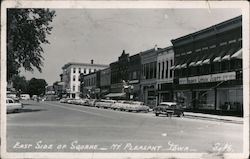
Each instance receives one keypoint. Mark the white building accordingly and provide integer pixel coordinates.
(71, 76)
(165, 74)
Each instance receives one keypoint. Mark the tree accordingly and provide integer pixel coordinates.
(20, 83)
(37, 87)
(26, 31)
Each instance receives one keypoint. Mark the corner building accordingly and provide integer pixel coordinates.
(208, 69)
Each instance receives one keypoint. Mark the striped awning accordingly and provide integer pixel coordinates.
(217, 59)
(172, 68)
(177, 66)
(192, 64)
(184, 65)
(198, 63)
(226, 57)
(237, 55)
(207, 61)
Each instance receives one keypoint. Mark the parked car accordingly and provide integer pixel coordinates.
(169, 109)
(13, 105)
(119, 105)
(25, 96)
(103, 103)
(63, 100)
(90, 102)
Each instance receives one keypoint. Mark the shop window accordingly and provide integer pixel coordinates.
(184, 98)
(230, 99)
(205, 99)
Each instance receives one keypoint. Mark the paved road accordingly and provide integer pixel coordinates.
(57, 127)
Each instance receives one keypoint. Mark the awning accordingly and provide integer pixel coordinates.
(172, 68)
(217, 59)
(191, 64)
(237, 55)
(226, 57)
(116, 95)
(207, 61)
(178, 67)
(198, 63)
(184, 65)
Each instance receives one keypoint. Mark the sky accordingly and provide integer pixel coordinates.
(80, 35)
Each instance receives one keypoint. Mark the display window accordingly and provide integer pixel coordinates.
(230, 99)
(205, 99)
(184, 98)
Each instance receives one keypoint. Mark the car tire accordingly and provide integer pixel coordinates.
(181, 115)
(156, 114)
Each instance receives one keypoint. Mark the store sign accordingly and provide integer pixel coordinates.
(183, 81)
(223, 76)
(204, 79)
(191, 80)
(209, 78)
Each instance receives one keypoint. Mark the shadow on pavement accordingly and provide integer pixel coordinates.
(28, 110)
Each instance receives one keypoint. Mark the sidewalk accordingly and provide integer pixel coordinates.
(231, 119)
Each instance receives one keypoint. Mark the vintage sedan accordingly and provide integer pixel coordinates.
(169, 109)
(13, 105)
(103, 103)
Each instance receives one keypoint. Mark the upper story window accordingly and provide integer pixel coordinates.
(171, 71)
(90, 70)
(166, 74)
(163, 70)
(79, 70)
(74, 88)
(74, 70)
(94, 70)
(84, 70)
(74, 78)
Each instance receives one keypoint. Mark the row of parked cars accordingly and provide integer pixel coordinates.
(121, 105)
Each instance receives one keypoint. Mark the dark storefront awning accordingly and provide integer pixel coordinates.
(116, 95)
(237, 55)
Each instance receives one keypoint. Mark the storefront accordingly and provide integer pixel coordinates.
(221, 97)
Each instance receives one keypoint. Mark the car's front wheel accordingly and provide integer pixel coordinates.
(181, 114)
(156, 114)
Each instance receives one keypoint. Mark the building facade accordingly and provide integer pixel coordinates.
(90, 85)
(105, 82)
(208, 69)
(165, 74)
(134, 77)
(71, 76)
(148, 76)
(119, 73)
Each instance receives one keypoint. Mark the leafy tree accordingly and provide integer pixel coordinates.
(37, 87)
(20, 83)
(26, 31)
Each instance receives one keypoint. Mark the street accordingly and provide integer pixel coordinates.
(58, 127)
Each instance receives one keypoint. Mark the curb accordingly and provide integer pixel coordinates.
(212, 119)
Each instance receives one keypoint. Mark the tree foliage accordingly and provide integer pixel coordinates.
(20, 83)
(27, 29)
(37, 87)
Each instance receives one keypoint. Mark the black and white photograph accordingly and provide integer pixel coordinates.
(128, 79)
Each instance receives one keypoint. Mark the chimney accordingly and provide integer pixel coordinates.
(92, 61)
(156, 48)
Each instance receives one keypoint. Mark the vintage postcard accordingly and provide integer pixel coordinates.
(125, 79)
